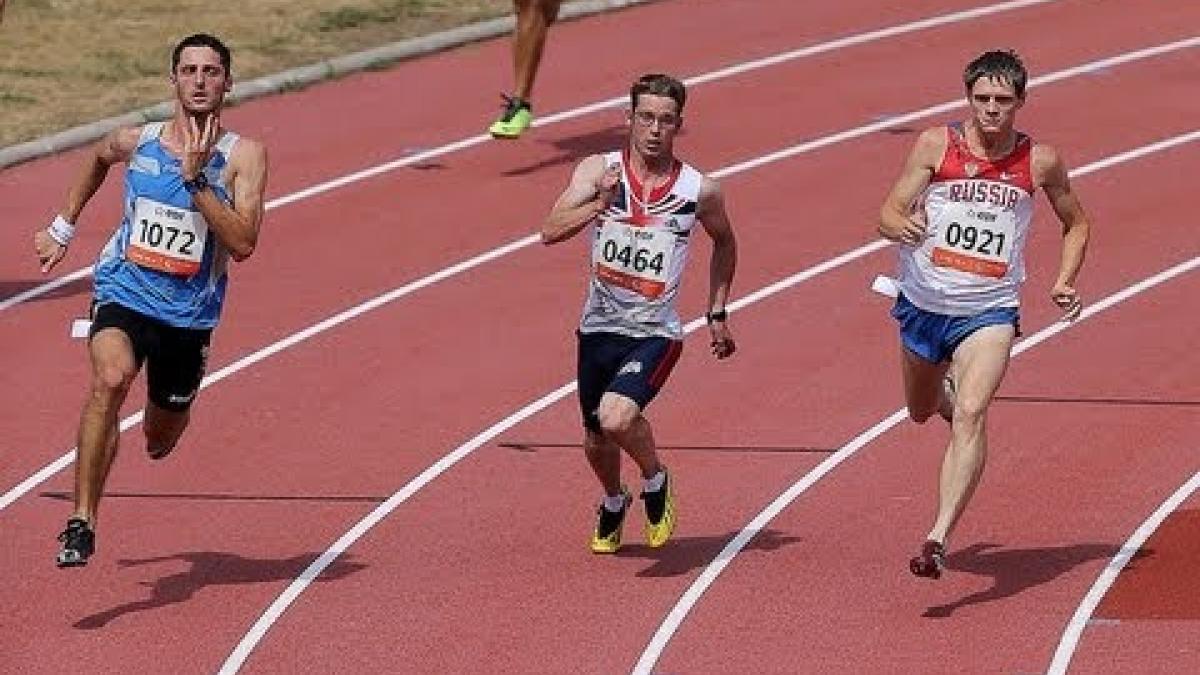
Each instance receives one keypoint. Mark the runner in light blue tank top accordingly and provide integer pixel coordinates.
(193, 200)
(161, 228)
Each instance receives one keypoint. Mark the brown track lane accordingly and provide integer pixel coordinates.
(350, 430)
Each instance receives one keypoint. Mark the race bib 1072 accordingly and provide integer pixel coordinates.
(166, 238)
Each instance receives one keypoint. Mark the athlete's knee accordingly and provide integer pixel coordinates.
(970, 410)
(616, 419)
(111, 380)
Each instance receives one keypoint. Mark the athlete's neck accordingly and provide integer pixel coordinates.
(651, 171)
(989, 145)
(173, 131)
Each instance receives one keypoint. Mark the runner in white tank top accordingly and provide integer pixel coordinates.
(977, 213)
(961, 211)
(639, 249)
(640, 207)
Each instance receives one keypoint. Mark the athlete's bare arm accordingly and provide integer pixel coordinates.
(897, 221)
(1050, 173)
(710, 210)
(117, 146)
(591, 189)
(236, 226)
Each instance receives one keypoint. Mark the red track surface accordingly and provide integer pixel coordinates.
(486, 568)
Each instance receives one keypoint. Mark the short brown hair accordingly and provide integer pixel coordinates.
(1003, 65)
(657, 84)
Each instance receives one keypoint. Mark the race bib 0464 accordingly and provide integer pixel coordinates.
(166, 238)
(635, 258)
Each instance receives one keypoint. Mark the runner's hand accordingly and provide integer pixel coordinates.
(722, 343)
(1068, 300)
(49, 252)
(198, 144)
(606, 185)
(915, 229)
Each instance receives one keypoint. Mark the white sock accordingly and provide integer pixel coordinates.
(614, 504)
(655, 482)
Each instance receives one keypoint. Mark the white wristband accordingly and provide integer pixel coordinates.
(61, 231)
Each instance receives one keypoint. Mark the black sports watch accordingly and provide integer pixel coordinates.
(719, 315)
(196, 184)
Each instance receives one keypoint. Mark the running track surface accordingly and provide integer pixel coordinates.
(485, 568)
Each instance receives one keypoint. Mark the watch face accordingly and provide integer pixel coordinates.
(196, 184)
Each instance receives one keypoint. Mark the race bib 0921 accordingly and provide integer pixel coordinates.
(975, 240)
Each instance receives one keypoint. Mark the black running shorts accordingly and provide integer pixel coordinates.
(175, 358)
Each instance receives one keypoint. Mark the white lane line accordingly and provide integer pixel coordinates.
(65, 460)
(276, 609)
(698, 587)
(264, 623)
(463, 144)
(1083, 613)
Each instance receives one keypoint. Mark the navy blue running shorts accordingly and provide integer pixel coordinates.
(633, 367)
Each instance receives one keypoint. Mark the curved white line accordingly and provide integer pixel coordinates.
(369, 172)
(1083, 613)
(691, 596)
(65, 460)
(252, 637)
(276, 609)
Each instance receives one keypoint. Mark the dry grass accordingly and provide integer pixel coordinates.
(67, 62)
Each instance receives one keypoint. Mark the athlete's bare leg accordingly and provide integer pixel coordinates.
(605, 458)
(979, 366)
(113, 370)
(623, 422)
(533, 22)
(163, 428)
(923, 391)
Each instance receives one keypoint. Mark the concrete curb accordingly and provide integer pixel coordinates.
(296, 78)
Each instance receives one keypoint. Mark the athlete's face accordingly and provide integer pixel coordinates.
(654, 122)
(994, 102)
(200, 80)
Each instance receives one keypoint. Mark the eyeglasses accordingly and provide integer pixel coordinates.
(648, 119)
(999, 99)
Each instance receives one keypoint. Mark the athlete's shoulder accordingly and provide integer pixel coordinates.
(934, 139)
(1047, 164)
(709, 187)
(119, 144)
(1044, 153)
(251, 148)
(594, 165)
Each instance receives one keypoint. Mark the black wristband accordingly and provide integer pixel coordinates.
(196, 184)
(719, 315)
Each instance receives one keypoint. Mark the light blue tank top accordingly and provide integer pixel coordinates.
(163, 261)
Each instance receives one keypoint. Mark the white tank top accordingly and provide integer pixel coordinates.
(978, 213)
(639, 249)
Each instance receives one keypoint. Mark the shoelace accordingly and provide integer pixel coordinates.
(512, 105)
(75, 530)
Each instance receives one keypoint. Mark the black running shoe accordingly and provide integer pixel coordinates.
(930, 562)
(607, 536)
(79, 542)
(660, 513)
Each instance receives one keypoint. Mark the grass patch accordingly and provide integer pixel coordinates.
(68, 62)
